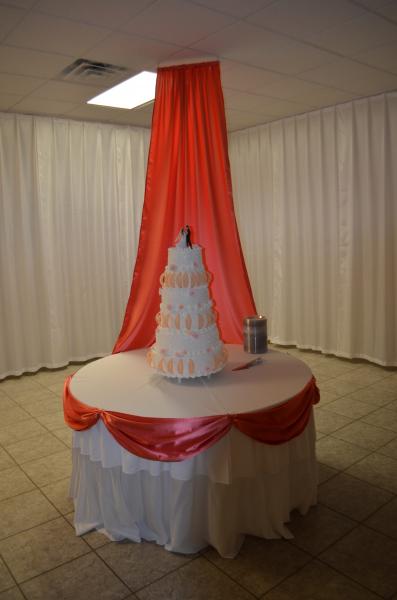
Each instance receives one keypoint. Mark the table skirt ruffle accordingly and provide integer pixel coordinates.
(212, 499)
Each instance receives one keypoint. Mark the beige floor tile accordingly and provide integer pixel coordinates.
(6, 403)
(338, 453)
(23, 512)
(332, 369)
(328, 422)
(10, 416)
(378, 470)
(382, 418)
(198, 580)
(46, 378)
(12, 594)
(20, 431)
(26, 396)
(340, 387)
(326, 396)
(348, 407)
(389, 449)
(317, 581)
(6, 462)
(389, 384)
(352, 497)
(13, 482)
(58, 494)
(50, 468)
(35, 447)
(53, 421)
(151, 562)
(365, 375)
(368, 557)
(17, 384)
(43, 406)
(364, 435)
(374, 395)
(318, 529)
(261, 564)
(320, 435)
(6, 581)
(42, 548)
(84, 578)
(325, 472)
(385, 519)
(65, 434)
(57, 387)
(392, 405)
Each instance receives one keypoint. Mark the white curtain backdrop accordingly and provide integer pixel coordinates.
(315, 198)
(71, 197)
(316, 203)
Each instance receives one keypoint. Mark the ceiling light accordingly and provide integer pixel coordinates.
(131, 93)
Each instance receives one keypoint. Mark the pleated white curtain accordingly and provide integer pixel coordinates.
(71, 197)
(316, 203)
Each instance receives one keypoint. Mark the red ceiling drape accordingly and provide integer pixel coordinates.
(188, 182)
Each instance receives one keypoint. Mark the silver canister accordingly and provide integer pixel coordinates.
(255, 334)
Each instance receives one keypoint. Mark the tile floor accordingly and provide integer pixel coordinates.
(345, 548)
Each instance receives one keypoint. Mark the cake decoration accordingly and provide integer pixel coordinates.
(187, 337)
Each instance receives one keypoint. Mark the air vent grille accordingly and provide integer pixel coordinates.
(88, 71)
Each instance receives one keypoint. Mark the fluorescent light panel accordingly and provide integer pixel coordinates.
(131, 93)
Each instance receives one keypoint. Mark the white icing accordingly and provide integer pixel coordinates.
(187, 337)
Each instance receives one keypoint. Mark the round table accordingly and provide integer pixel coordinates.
(237, 486)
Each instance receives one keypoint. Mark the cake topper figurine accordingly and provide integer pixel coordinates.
(183, 240)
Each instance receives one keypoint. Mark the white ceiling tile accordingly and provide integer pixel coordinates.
(177, 21)
(247, 79)
(7, 101)
(22, 61)
(257, 47)
(9, 18)
(43, 106)
(352, 77)
(19, 84)
(306, 16)
(131, 51)
(53, 34)
(262, 105)
(236, 8)
(356, 35)
(383, 57)
(70, 92)
(104, 13)
(306, 92)
(187, 55)
(237, 119)
(109, 115)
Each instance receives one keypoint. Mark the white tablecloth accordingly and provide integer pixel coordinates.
(236, 487)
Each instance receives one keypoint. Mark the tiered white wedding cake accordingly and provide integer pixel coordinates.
(187, 337)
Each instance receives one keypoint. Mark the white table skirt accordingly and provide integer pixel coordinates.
(236, 487)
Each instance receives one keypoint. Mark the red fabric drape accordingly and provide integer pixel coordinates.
(188, 182)
(177, 439)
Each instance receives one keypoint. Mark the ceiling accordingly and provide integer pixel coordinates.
(278, 57)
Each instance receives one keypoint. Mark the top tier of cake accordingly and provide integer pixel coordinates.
(185, 259)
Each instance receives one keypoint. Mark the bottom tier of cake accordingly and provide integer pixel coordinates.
(184, 365)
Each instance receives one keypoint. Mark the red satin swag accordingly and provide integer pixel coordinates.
(178, 439)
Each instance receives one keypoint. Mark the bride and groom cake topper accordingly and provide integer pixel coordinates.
(184, 238)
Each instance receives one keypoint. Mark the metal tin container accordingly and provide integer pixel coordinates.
(255, 334)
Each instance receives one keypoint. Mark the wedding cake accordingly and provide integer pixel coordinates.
(187, 338)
